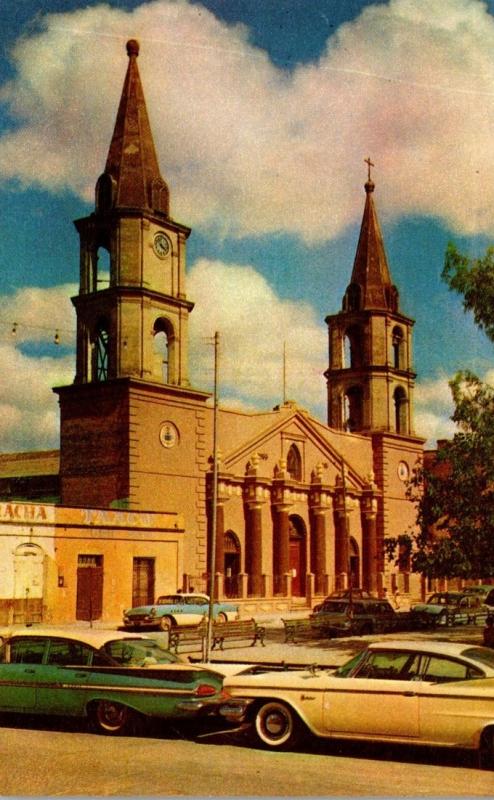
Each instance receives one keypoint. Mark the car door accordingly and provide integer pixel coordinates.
(21, 669)
(61, 688)
(380, 700)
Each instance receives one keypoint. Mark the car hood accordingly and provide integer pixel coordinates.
(430, 608)
(142, 609)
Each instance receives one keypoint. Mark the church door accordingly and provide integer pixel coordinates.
(143, 582)
(298, 562)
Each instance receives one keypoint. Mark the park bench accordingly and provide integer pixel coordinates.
(237, 631)
(187, 637)
(304, 628)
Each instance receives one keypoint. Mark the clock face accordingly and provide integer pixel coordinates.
(161, 245)
(168, 435)
(403, 471)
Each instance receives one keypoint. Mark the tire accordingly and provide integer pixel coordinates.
(166, 623)
(112, 719)
(276, 726)
(221, 618)
(486, 749)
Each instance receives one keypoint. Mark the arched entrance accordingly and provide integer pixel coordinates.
(354, 562)
(232, 564)
(298, 554)
(29, 560)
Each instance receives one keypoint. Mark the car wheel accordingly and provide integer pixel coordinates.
(166, 623)
(276, 725)
(221, 617)
(112, 718)
(486, 749)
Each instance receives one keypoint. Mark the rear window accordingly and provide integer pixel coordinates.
(483, 655)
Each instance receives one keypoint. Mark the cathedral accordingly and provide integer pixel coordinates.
(154, 486)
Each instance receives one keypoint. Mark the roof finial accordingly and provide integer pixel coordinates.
(132, 47)
(369, 186)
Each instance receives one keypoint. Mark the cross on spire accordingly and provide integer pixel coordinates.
(369, 165)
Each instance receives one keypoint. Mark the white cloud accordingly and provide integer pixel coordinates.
(28, 407)
(251, 149)
(253, 323)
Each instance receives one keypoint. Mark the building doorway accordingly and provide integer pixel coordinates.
(29, 560)
(232, 565)
(89, 599)
(353, 563)
(298, 554)
(143, 575)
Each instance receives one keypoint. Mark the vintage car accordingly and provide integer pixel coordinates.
(340, 594)
(447, 608)
(484, 591)
(355, 617)
(116, 680)
(414, 692)
(177, 609)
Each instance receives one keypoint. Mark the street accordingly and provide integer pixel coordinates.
(60, 758)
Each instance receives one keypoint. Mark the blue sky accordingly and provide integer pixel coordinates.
(263, 112)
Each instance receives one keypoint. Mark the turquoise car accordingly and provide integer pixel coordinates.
(178, 609)
(116, 681)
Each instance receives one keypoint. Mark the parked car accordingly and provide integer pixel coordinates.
(438, 694)
(484, 591)
(447, 608)
(114, 679)
(177, 609)
(343, 593)
(356, 617)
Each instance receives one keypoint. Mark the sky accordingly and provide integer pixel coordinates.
(262, 112)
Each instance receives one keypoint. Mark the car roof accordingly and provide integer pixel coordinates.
(184, 594)
(90, 636)
(423, 645)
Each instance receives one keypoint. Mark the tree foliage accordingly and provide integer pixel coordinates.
(454, 496)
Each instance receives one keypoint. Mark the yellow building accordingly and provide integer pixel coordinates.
(302, 506)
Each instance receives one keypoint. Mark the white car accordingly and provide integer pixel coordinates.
(437, 694)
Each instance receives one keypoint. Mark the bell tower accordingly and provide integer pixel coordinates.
(131, 309)
(370, 378)
(132, 322)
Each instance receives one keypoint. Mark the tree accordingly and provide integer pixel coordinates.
(454, 494)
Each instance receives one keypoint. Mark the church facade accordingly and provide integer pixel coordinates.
(290, 508)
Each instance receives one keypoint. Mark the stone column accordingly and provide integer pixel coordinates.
(370, 565)
(255, 494)
(319, 504)
(281, 503)
(341, 543)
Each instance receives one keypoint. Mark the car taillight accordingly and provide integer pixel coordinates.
(205, 690)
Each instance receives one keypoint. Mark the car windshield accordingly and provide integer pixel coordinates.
(349, 666)
(335, 607)
(169, 599)
(443, 599)
(483, 655)
(138, 652)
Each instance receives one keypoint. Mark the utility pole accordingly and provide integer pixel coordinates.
(214, 509)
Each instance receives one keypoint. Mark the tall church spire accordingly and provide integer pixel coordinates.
(132, 163)
(371, 278)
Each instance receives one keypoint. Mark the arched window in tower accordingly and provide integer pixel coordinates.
(398, 345)
(101, 352)
(164, 350)
(353, 348)
(353, 409)
(401, 410)
(294, 463)
(105, 192)
(102, 269)
(353, 298)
